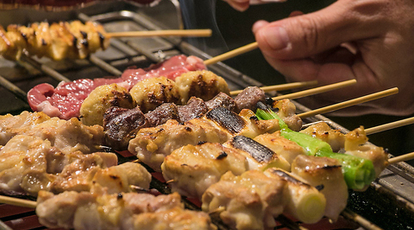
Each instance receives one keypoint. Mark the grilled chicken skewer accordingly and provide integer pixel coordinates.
(57, 41)
(253, 199)
(151, 145)
(43, 153)
(68, 40)
(99, 210)
(121, 124)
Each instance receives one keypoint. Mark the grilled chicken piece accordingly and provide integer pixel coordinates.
(286, 149)
(72, 210)
(249, 201)
(193, 168)
(67, 136)
(102, 98)
(259, 156)
(322, 131)
(286, 110)
(152, 92)
(356, 144)
(325, 173)
(83, 176)
(56, 41)
(13, 125)
(202, 84)
(29, 164)
(151, 145)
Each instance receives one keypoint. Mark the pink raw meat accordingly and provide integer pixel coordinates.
(65, 100)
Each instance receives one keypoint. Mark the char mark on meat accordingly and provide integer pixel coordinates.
(227, 119)
(258, 151)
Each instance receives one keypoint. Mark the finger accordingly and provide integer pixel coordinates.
(306, 35)
(259, 24)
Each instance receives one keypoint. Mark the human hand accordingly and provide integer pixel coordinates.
(367, 40)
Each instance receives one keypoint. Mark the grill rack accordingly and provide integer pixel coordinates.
(394, 186)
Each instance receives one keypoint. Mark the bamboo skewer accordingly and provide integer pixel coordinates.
(232, 53)
(389, 126)
(280, 87)
(18, 202)
(317, 90)
(158, 33)
(405, 157)
(351, 102)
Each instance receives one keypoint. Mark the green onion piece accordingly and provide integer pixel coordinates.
(358, 172)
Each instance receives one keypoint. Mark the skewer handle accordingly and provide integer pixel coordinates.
(317, 90)
(405, 157)
(232, 53)
(389, 126)
(280, 87)
(348, 103)
(18, 202)
(158, 33)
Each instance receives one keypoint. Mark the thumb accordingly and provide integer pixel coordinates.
(306, 35)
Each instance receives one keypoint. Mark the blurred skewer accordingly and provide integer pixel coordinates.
(280, 87)
(232, 53)
(388, 126)
(159, 33)
(316, 90)
(349, 103)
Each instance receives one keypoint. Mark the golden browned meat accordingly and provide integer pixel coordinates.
(322, 131)
(203, 84)
(151, 145)
(29, 164)
(325, 173)
(57, 41)
(12, 125)
(249, 201)
(102, 98)
(84, 176)
(67, 136)
(259, 157)
(98, 210)
(286, 110)
(193, 168)
(356, 144)
(152, 92)
(286, 149)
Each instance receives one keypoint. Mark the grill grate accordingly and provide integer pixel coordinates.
(19, 77)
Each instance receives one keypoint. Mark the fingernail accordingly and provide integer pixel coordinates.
(276, 37)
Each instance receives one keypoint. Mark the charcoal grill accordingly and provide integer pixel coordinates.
(388, 203)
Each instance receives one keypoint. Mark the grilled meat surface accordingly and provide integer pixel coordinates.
(193, 168)
(72, 40)
(98, 210)
(151, 145)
